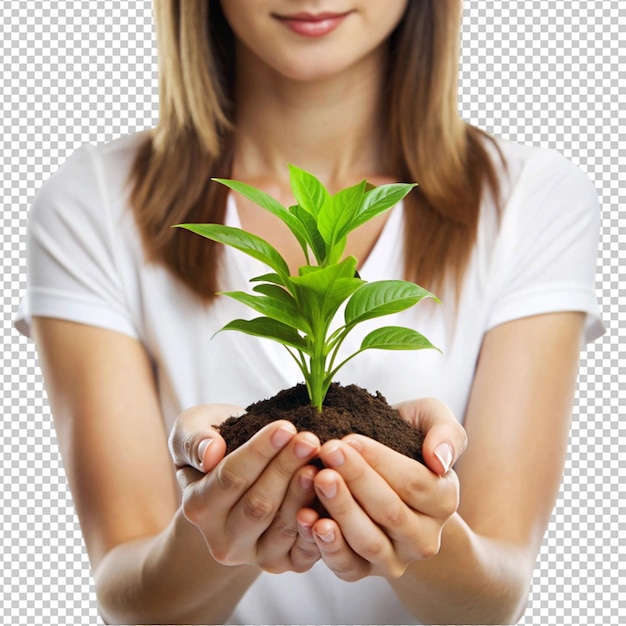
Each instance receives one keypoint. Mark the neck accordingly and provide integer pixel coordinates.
(331, 127)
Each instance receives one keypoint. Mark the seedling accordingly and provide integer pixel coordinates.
(297, 311)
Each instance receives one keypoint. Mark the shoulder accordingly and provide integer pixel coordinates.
(540, 172)
(545, 247)
(107, 166)
(115, 159)
(90, 184)
(82, 209)
(540, 188)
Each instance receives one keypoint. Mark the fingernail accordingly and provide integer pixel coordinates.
(202, 446)
(334, 458)
(303, 449)
(327, 537)
(355, 443)
(444, 453)
(306, 482)
(282, 435)
(328, 491)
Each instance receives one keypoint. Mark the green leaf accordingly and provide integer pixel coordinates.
(252, 245)
(314, 240)
(275, 279)
(327, 287)
(319, 279)
(309, 192)
(278, 306)
(383, 297)
(273, 291)
(303, 270)
(285, 298)
(396, 338)
(267, 202)
(379, 200)
(335, 217)
(257, 196)
(270, 329)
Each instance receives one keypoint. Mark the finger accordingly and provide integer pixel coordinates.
(211, 500)
(282, 533)
(290, 535)
(335, 551)
(422, 490)
(242, 467)
(194, 442)
(359, 531)
(445, 439)
(370, 489)
(305, 553)
(188, 475)
(264, 498)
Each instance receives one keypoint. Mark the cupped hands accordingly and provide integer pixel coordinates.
(259, 504)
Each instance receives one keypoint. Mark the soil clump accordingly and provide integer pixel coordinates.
(349, 409)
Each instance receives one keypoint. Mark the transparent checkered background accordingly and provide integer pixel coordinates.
(543, 72)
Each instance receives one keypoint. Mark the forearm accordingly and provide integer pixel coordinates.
(472, 580)
(170, 578)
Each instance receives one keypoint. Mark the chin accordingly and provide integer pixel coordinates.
(317, 68)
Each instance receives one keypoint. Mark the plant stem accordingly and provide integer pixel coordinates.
(317, 389)
(300, 362)
(317, 379)
(335, 343)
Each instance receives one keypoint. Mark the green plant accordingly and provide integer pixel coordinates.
(297, 311)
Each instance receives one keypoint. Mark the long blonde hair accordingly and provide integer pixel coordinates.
(428, 142)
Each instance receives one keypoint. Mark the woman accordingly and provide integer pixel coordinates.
(122, 308)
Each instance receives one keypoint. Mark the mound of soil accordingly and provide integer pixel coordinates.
(349, 409)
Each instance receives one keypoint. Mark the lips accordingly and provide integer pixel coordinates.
(312, 24)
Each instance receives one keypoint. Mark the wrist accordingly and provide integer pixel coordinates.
(473, 579)
(170, 577)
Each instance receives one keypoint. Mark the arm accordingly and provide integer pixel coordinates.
(517, 425)
(151, 565)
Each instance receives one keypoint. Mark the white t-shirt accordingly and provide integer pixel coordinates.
(85, 264)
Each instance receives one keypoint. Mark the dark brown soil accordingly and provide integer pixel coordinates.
(346, 410)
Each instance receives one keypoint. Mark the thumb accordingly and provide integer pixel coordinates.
(445, 439)
(194, 442)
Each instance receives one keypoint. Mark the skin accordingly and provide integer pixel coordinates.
(458, 545)
(264, 41)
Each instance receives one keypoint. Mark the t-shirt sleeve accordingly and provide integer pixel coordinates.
(71, 251)
(547, 253)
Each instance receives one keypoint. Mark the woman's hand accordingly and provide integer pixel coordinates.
(245, 504)
(386, 510)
